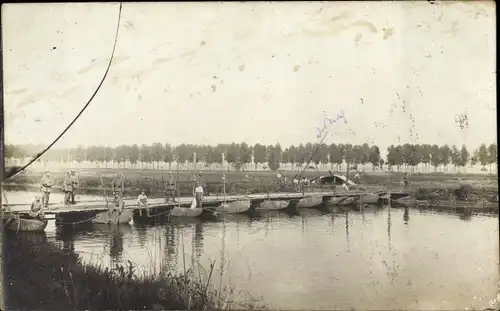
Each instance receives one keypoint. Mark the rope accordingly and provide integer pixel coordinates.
(159, 214)
(16, 171)
(76, 222)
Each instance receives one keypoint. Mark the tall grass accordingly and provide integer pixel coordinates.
(40, 275)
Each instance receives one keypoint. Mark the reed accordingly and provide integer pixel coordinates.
(43, 276)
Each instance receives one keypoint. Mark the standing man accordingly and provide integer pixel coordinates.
(74, 185)
(67, 188)
(142, 200)
(247, 182)
(303, 185)
(296, 186)
(356, 178)
(46, 186)
(117, 187)
(170, 188)
(200, 179)
(406, 182)
(198, 195)
(313, 184)
(195, 180)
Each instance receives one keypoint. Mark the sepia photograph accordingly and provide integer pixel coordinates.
(322, 155)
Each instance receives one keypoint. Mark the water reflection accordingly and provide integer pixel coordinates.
(347, 230)
(170, 247)
(389, 225)
(198, 239)
(270, 245)
(142, 232)
(66, 233)
(406, 215)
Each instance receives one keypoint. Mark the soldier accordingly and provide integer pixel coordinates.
(303, 185)
(67, 188)
(356, 178)
(46, 185)
(296, 186)
(247, 180)
(142, 200)
(198, 195)
(36, 208)
(313, 184)
(406, 182)
(74, 185)
(170, 188)
(117, 187)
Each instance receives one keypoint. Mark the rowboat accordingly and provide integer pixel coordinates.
(342, 201)
(236, 207)
(369, 198)
(270, 205)
(24, 224)
(310, 201)
(185, 212)
(405, 201)
(114, 217)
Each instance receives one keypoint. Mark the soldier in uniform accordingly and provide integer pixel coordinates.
(170, 188)
(45, 186)
(117, 187)
(406, 182)
(36, 208)
(142, 200)
(198, 195)
(74, 185)
(67, 188)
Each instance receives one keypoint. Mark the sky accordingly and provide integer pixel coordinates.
(209, 73)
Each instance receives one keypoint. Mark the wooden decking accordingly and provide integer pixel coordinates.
(101, 205)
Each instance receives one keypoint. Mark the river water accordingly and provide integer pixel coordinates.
(379, 258)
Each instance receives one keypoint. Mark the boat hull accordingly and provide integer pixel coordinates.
(370, 198)
(25, 224)
(270, 205)
(123, 217)
(185, 212)
(310, 201)
(342, 201)
(405, 201)
(236, 207)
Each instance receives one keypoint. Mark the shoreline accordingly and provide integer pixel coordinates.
(425, 190)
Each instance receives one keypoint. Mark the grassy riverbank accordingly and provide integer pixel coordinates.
(41, 276)
(152, 181)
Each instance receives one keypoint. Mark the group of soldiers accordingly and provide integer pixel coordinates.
(70, 184)
(170, 189)
(303, 184)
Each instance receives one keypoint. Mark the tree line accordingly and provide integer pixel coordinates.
(433, 155)
(241, 154)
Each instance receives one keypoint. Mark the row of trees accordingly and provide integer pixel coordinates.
(242, 154)
(433, 155)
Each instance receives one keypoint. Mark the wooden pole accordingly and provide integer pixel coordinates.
(224, 186)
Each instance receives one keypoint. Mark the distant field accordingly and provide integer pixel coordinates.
(152, 180)
(183, 174)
